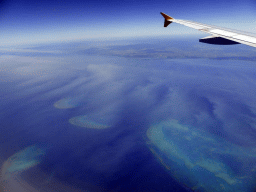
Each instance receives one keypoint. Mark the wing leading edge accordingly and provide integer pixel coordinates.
(218, 36)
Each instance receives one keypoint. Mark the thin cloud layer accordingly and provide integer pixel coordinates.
(201, 92)
(130, 93)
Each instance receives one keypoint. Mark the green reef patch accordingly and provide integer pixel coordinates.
(21, 161)
(66, 103)
(202, 161)
(85, 121)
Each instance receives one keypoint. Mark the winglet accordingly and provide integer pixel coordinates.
(167, 20)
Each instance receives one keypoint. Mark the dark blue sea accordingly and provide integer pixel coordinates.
(77, 116)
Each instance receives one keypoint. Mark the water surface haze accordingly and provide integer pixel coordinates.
(144, 114)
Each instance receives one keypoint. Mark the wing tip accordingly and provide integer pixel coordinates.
(167, 17)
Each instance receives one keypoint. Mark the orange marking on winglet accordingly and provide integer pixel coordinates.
(167, 17)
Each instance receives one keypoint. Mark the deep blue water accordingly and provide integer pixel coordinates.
(116, 159)
(130, 91)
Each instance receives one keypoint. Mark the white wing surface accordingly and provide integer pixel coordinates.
(220, 36)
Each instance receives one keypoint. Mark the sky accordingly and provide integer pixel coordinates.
(27, 21)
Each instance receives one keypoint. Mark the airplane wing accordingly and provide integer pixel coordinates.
(219, 36)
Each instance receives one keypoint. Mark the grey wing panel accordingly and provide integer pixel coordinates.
(220, 32)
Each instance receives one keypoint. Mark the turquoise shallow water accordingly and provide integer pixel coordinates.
(21, 161)
(203, 161)
(66, 103)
